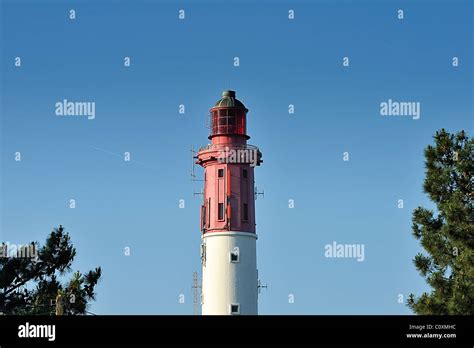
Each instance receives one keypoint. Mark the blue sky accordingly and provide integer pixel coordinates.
(190, 62)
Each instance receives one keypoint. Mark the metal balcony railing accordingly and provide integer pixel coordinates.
(213, 147)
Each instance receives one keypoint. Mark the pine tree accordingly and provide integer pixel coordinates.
(448, 236)
(31, 285)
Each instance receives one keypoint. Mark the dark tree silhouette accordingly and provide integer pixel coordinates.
(31, 286)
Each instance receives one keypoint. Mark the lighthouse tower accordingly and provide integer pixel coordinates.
(228, 249)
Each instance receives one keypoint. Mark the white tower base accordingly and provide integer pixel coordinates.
(229, 273)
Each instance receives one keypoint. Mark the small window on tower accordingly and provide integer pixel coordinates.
(234, 308)
(220, 173)
(220, 213)
(234, 257)
(246, 211)
(244, 173)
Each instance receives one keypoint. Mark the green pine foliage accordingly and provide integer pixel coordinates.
(31, 285)
(448, 235)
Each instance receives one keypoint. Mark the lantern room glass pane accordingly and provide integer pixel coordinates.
(228, 121)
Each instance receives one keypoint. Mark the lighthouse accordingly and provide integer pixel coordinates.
(228, 248)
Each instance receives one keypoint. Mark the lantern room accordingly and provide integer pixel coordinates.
(228, 117)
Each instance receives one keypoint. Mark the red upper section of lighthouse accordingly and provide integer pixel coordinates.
(228, 162)
(229, 117)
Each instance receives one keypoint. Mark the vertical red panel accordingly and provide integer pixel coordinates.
(228, 182)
